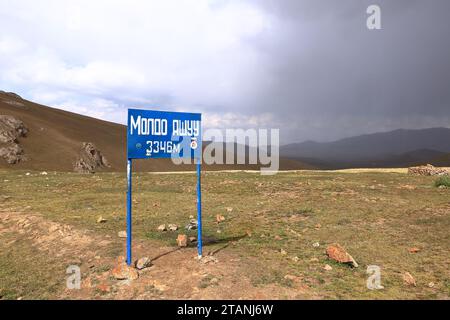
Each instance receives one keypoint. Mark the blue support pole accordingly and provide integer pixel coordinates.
(199, 210)
(129, 203)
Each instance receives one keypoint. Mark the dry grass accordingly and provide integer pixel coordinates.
(377, 215)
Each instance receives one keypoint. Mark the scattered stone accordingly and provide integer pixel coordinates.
(327, 267)
(314, 260)
(143, 263)
(278, 238)
(407, 187)
(192, 225)
(431, 285)
(428, 170)
(229, 209)
(318, 226)
(220, 218)
(338, 253)
(44, 173)
(27, 174)
(296, 259)
(192, 239)
(209, 259)
(173, 227)
(283, 252)
(103, 287)
(162, 228)
(182, 240)
(291, 277)
(191, 217)
(90, 159)
(101, 220)
(122, 234)
(122, 271)
(219, 231)
(409, 279)
(413, 250)
(316, 244)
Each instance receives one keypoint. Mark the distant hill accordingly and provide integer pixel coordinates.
(397, 148)
(441, 161)
(55, 138)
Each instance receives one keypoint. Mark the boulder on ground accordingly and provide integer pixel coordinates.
(337, 252)
(101, 220)
(408, 279)
(182, 240)
(143, 263)
(122, 271)
(162, 228)
(428, 170)
(192, 225)
(90, 159)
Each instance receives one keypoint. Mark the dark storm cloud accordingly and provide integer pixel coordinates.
(336, 77)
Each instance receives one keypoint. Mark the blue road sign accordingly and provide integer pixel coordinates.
(160, 134)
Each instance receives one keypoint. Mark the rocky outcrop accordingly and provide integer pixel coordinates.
(428, 170)
(90, 159)
(12, 153)
(11, 129)
(11, 94)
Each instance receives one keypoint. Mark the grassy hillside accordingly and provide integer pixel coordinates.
(55, 138)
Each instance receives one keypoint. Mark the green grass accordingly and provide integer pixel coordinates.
(442, 181)
(371, 214)
(26, 273)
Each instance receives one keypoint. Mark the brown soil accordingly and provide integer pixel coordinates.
(176, 273)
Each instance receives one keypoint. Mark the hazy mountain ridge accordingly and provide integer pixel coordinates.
(394, 148)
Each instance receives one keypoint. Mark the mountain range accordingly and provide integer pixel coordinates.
(55, 137)
(398, 148)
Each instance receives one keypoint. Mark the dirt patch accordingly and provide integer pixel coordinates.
(175, 273)
(51, 237)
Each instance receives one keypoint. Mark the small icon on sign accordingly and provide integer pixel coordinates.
(138, 145)
(148, 153)
(194, 143)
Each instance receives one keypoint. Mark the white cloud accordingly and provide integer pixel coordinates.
(171, 53)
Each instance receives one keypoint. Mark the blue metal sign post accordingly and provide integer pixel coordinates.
(159, 134)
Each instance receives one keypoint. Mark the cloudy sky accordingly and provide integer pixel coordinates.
(308, 67)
